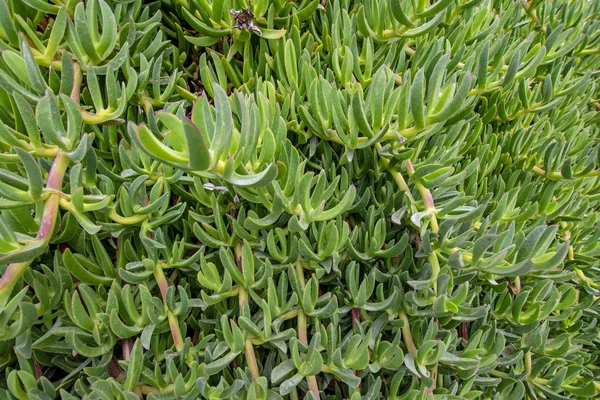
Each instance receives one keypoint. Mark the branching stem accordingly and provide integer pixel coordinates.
(54, 184)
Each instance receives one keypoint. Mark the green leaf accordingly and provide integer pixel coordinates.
(399, 14)
(155, 147)
(223, 123)
(33, 71)
(7, 25)
(282, 370)
(257, 180)
(134, 366)
(48, 119)
(198, 153)
(75, 266)
(272, 34)
(513, 270)
(417, 98)
(217, 366)
(34, 174)
(288, 385)
(30, 251)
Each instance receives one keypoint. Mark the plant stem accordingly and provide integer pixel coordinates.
(398, 178)
(586, 52)
(133, 220)
(355, 321)
(435, 268)
(406, 335)
(76, 91)
(499, 374)
(302, 331)
(530, 12)
(434, 378)
(145, 389)
(585, 279)
(557, 175)
(528, 363)
(243, 300)
(175, 330)
(430, 208)
(427, 198)
(161, 280)
(251, 359)
(54, 184)
(163, 284)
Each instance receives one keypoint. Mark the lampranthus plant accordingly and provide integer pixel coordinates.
(279, 200)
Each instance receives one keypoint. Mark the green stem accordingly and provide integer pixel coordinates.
(499, 374)
(76, 91)
(587, 52)
(406, 335)
(54, 184)
(45, 152)
(531, 12)
(585, 279)
(528, 363)
(175, 330)
(397, 176)
(145, 389)
(435, 268)
(183, 92)
(426, 196)
(163, 284)
(430, 208)
(302, 326)
(302, 332)
(251, 359)
(133, 220)
(243, 301)
(558, 175)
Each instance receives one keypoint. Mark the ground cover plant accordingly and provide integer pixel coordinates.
(331, 199)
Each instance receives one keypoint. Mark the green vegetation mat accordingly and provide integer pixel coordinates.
(316, 199)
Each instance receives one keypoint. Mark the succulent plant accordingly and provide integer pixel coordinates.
(225, 199)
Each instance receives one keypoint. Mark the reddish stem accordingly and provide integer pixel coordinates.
(464, 330)
(54, 183)
(196, 338)
(355, 317)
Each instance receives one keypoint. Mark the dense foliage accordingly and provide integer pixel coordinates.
(339, 199)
